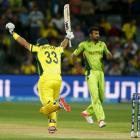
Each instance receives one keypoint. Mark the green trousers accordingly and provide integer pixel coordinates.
(95, 81)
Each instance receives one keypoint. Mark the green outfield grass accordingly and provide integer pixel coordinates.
(22, 121)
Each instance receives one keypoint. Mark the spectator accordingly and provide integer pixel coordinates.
(75, 7)
(58, 22)
(49, 32)
(28, 68)
(103, 6)
(2, 52)
(115, 69)
(36, 18)
(78, 69)
(105, 25)
(79, 35)
(15, 3)
(132, 45)
(87, 8)
(129, 29)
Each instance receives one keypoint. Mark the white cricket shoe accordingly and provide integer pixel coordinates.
(102, 124)
(87, 117)
(138, 134)
(132, 134)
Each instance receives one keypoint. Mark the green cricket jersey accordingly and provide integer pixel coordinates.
(93, 54)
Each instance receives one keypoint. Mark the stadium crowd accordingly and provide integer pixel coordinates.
(118, 21)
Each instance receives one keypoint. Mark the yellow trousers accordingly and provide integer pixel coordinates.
(49, 91)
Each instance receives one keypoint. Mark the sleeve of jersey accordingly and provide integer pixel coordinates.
(79, 49)
(106, 51)
(33, 48)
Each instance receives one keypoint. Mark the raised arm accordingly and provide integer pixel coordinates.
(68, 37)
(18, 38)
(64, 43)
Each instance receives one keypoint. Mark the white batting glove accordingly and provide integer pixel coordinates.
(70, 35)
(10, 26)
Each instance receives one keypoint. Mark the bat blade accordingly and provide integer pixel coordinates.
(67, 22)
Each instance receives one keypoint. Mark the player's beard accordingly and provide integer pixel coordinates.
(96, 39)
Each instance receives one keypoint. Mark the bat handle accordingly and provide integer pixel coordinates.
(70, 43)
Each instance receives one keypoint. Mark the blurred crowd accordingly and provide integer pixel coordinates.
(118, 21)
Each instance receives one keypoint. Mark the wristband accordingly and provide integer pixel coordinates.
(15, 36)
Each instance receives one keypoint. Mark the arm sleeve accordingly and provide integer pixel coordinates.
(106, 51)
(33, 48)
(79, 49)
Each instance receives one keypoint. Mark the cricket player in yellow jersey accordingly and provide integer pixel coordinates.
(94, 51)
(49, 68)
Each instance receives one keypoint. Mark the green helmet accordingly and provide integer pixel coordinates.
(42, 41)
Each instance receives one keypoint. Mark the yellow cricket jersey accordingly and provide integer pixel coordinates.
(48, 60)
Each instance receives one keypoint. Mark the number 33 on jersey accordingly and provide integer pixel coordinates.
(48, 60)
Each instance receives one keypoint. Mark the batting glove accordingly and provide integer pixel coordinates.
(10, 27)
(70, 35)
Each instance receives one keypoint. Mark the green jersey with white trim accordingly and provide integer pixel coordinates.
(93, 54)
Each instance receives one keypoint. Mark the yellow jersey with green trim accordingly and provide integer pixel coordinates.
(93, 54)
(48, 61)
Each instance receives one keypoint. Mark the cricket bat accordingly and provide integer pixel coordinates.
(67, 22)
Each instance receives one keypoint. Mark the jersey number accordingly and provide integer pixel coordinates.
(51, 57)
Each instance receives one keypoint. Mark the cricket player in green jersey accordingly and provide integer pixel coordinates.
(94, 52)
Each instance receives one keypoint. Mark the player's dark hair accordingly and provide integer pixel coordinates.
(42, 41)
(93, 28)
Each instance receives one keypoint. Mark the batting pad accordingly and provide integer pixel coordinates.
(52, 123)
(49, 108)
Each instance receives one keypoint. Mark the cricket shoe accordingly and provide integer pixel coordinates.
(87, 117)
(138, 134)
(64, 105)
(102, 124)
(132, 134)
(52, 129)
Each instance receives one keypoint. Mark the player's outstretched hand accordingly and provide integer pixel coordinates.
(70, 35)
(10, 27)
